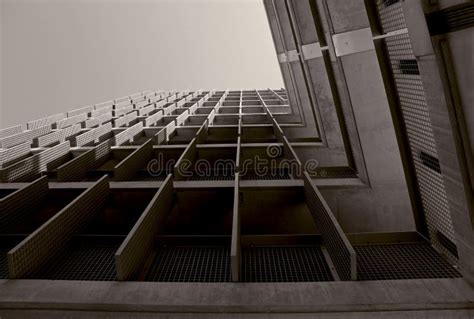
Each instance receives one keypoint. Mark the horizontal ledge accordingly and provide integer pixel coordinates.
(323, 183)
(393, 295)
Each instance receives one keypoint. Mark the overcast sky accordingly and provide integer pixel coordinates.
(57, 55)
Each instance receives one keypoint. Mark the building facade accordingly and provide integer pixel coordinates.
(346, 194)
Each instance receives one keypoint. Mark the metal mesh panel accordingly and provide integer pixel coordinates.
(125, 120)
(10, 131)
(76, 169)
(6, 243)
(160, 137)
(49, 139)
(82, 110)
(103, 104)
(102, 111)
(413, 106)
(100, 119)
(391, 15)
(338, 246)
(122, 110)
(128, 134)
(136, 246)
(182, 118)
(93, 135)
(88, 260)
(51, 237)
(10, 154)
(3, 263)
(47, 121)
(151, 120)
(127, 168)
(191, 264)
(71, 121)
(401, 261)
(284, 264)
(22, 201)
(58, 136)
(26, 136)
(145, 110)
(121, 100)
(32, 166)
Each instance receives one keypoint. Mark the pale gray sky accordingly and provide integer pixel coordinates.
(57, 55)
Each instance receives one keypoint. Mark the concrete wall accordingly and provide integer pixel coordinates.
(349, 97)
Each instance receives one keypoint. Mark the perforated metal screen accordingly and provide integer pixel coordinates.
(259, 264)
(401, 261)
(6, 244)
(191, 264)
(88, 260)
(284, 264)
(414, 110)
(3, 263)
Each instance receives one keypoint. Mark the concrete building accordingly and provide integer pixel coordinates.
(348, 194)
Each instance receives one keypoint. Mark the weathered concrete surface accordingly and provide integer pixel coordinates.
(423, 314)
(249, 298)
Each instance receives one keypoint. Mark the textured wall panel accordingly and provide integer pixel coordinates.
(84, 110)
(128, 134)
(77, 168)
(23, 201)
(29, 168)
(341, 251)
(26, 136)
(45, 121)
(93, 135)
(139, 242)
(10, 131)
(33, 252)
(126, 119)
(126, 169)
(415, 115)
(8, 155)
(71, 121)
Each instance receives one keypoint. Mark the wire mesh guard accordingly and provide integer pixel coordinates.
(401, 261)
(88, 260)
(3, 263)
(6, 244)
(191, 264)
(284, 264)
(416, 118)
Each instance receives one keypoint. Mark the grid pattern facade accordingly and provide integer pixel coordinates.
(116, 141)
(342, 253)
(413, 106)
(3, 263)
(284, 264)
(407, 261)
(191, 264)
(83, 261)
